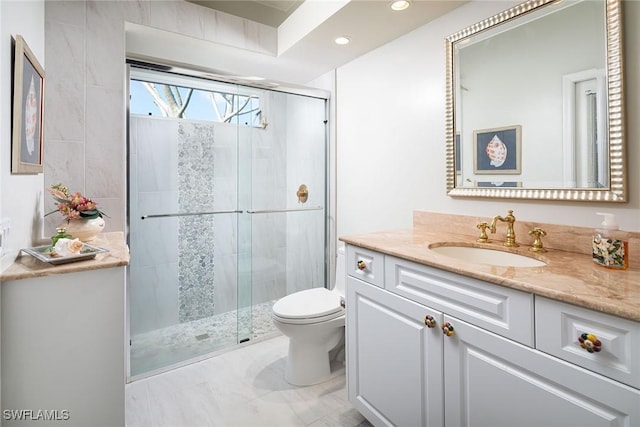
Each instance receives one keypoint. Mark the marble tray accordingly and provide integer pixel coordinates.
(43, 253)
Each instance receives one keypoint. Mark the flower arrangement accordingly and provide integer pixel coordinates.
(75, 205)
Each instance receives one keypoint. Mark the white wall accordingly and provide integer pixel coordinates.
(21, 195)
(390, 127)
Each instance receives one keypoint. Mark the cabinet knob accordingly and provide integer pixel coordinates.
(429, 321)
(361, 265)
(590, 342)
(447, 329)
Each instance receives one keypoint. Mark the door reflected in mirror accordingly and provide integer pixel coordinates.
(535, 103)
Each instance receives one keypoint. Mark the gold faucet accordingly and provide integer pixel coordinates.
(511, 234)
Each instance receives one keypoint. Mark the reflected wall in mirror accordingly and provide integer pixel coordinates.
(539, 86)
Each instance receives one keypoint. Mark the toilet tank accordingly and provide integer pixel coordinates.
(339, 286)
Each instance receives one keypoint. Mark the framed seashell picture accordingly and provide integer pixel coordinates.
(28, 111)
(497, 150)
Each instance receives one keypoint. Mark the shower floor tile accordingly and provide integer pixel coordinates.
(174, 344)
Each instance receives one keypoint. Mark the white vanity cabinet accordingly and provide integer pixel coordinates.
(63, 340)
(493, 381)
(487, 373)
(394, 360)
(63, 343)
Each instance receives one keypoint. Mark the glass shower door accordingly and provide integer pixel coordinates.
(288, 202)
(185, 284)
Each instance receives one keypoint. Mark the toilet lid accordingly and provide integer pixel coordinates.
(317, 302)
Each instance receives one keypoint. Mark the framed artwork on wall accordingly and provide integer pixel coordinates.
(28, 111)
(497, 150)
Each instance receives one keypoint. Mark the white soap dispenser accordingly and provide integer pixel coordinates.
(610, 245)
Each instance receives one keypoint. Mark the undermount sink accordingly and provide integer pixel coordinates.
(489, 256)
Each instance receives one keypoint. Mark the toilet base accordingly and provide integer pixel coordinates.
(337, 369)
(310, 362)
(315, 370)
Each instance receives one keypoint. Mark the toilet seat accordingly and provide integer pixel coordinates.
(308, 306)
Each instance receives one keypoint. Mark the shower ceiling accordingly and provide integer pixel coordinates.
(368, 23)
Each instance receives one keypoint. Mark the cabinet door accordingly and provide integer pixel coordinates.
(491, 381)
(394, 361)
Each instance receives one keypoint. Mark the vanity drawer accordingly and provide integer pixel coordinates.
(507, 312)
(365, 265)
(559, 326)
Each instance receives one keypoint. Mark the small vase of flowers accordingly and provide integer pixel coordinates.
(83, 219)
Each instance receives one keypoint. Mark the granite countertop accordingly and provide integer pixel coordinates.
(26, 266)
(568, 276)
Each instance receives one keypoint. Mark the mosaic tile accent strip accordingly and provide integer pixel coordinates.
(195, 248)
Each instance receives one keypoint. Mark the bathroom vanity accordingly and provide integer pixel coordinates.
(435, 341)
(63, 339)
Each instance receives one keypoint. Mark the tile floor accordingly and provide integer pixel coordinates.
(244, 387)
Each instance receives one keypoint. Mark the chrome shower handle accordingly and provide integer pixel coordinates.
(178, 214)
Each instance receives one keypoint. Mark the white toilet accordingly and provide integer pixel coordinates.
(313, 320)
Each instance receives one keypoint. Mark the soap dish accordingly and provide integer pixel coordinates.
(43, 253)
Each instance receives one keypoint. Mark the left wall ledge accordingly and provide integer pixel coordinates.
(25, 266)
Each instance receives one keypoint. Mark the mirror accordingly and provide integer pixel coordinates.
(534, 106)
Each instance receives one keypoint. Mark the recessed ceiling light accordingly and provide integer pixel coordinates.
(342, 40)
(400, 4)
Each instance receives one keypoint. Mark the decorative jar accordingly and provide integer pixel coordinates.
(84, 229)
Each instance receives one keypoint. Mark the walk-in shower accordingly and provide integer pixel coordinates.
(217, 228)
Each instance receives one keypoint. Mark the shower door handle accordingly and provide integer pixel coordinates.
(188, 214)
(267, 211)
